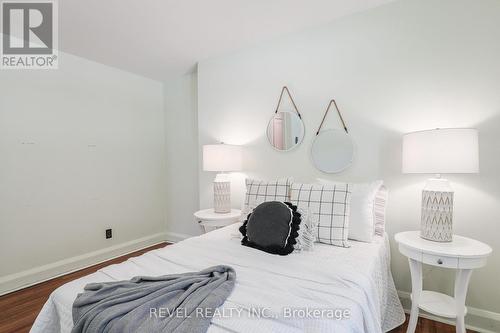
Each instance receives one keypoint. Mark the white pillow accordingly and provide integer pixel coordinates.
(363, 210)
(307, 231)
(379, 208)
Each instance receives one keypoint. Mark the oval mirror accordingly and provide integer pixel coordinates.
(285, 130)
(332, 151)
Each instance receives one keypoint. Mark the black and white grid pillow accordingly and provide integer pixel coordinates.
(263, 191)
(329, 205)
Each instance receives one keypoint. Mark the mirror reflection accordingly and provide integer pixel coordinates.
(332, 151)
(285, 130)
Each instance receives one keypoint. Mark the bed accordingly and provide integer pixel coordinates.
(329, 289)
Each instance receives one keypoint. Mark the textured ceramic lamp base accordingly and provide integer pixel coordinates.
(222, 194)
(437, 211)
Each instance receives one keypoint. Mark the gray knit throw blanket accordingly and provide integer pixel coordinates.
(171, 303)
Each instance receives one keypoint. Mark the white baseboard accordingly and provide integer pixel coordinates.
(20, 280)
(479, 320)
(175, 237)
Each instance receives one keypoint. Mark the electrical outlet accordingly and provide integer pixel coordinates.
(109, 233)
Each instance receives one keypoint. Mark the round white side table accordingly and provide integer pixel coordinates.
(208, 218)
(462, 254)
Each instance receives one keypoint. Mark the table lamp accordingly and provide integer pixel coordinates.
(222, 158)
(440, 151)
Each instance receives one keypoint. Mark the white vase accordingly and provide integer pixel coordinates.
(222, 194)
(437, 211)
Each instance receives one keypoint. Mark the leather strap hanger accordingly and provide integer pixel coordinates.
(291, 99)
(326, 112)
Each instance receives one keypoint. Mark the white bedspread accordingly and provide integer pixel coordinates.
(272, 293)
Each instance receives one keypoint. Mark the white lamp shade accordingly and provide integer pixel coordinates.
(222, 157)
(451, 150)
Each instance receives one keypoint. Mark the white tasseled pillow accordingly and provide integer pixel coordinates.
(379, 209)
(307, 231)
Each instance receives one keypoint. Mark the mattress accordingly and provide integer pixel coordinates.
(329, 289)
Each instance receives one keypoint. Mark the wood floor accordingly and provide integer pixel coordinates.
(428, 326)
(19, 309)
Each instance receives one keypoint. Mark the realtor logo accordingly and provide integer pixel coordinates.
(29, 35)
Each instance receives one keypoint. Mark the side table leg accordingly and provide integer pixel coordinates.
(416, 289)
(462, 278)
(202, 227)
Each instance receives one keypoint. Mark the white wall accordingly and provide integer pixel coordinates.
(181, 132)
(81, 150)
(408, 65)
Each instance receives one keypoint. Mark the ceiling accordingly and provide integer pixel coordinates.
(160, 38)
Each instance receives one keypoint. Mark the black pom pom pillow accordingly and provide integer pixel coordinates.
(272, 227)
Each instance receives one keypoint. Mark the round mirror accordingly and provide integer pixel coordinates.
(285, 130)
(332, 151)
